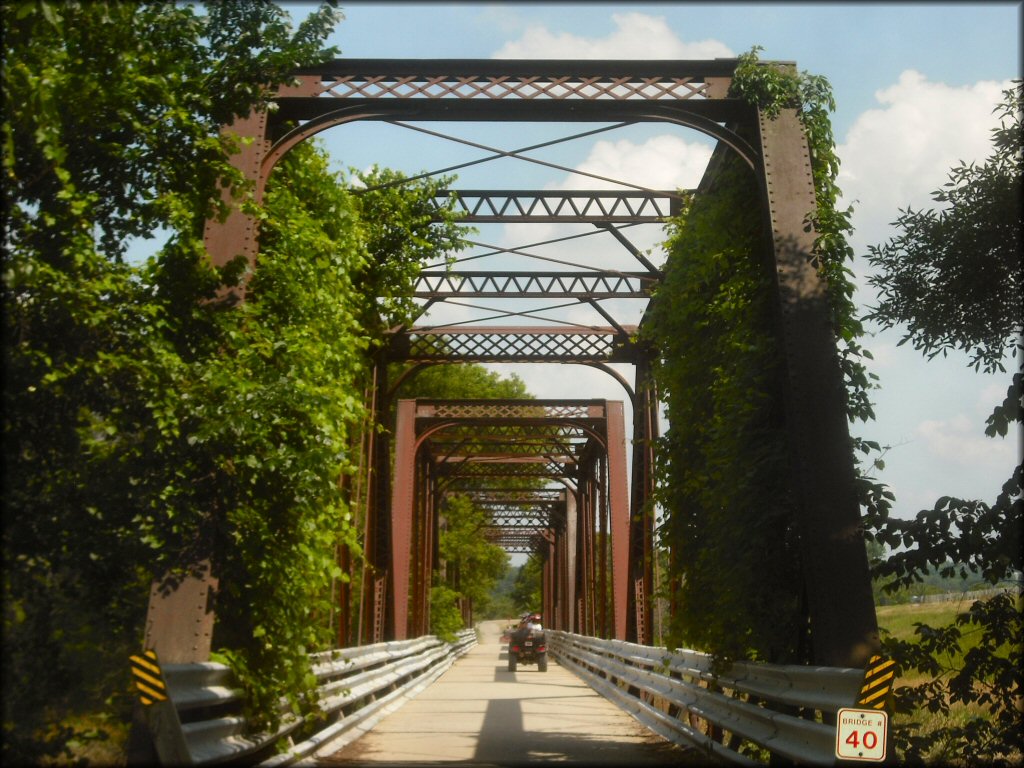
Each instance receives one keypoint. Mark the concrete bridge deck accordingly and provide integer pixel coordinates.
(479, 713)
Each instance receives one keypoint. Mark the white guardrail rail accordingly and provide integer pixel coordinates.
(199, 722)
(784, 709)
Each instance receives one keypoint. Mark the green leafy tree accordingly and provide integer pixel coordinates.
(952, 278)
(463, 382)
(471, 564)
(111, 131)
(405, 231)
(526, 589)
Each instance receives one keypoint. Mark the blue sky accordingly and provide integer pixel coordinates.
(914, 84)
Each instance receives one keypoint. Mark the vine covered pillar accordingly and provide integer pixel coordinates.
(376, 528)
(181, 614)
(236, 235)
(844, 628)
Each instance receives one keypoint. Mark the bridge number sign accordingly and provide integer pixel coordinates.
(861, 734)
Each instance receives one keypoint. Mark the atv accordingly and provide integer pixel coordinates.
(527, 645)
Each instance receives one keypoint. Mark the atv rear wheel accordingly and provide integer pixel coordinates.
(542, 662)
(512, 661)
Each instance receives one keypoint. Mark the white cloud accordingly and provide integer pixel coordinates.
(661, 162)
(896, 155)
(958, 439)
(636, 36)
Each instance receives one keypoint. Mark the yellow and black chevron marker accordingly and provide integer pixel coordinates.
(148, 679)
(878, 683)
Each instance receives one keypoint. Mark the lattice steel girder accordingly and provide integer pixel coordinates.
(535, 411)
(535, 285)
(506, 465)
(519, 79)
(509, 445)
(525, 544)
(528, 344)
(479, 206)
(522, 526)
(505, 510)
(523, 495)
(508, 89)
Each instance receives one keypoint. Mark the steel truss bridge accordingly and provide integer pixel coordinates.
(558, 477)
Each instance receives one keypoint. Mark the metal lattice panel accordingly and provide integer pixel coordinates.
(526, 285)
(530, 467)
(597, 206)
(558, 86)
(504, 409)
(531, 344)
(511, 496)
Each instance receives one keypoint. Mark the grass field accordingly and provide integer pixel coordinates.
(898, 621)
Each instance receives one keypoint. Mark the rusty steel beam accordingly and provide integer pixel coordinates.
(519, 79)
(838, 585)
(533, 285)
(515, 344)
(479, 206)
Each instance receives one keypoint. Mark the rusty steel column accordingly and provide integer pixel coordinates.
(564, 610)
(641, 534)
(402, 501)
(547, 581)
(842, 611)
(237, 234)
(571, 559)
(377, 529)
(585, 558)
(619, 500)
(604, 611)
(179, 622)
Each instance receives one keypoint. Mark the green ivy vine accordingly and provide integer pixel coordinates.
(729, 517)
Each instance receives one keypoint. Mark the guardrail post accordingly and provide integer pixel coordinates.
(156, 735)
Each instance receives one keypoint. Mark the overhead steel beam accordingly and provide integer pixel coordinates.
(534, 285)
(478, 206)
(526, 344)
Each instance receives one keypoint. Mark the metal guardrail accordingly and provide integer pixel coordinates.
(357, 686)
(784, 709)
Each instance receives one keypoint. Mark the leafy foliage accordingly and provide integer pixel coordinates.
(111, 132)
(723, 461)
(976, 310)
(470, 565)
(148, 428)
(402, 237)
(526, 587)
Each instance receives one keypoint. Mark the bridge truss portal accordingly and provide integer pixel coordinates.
(583, 458)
